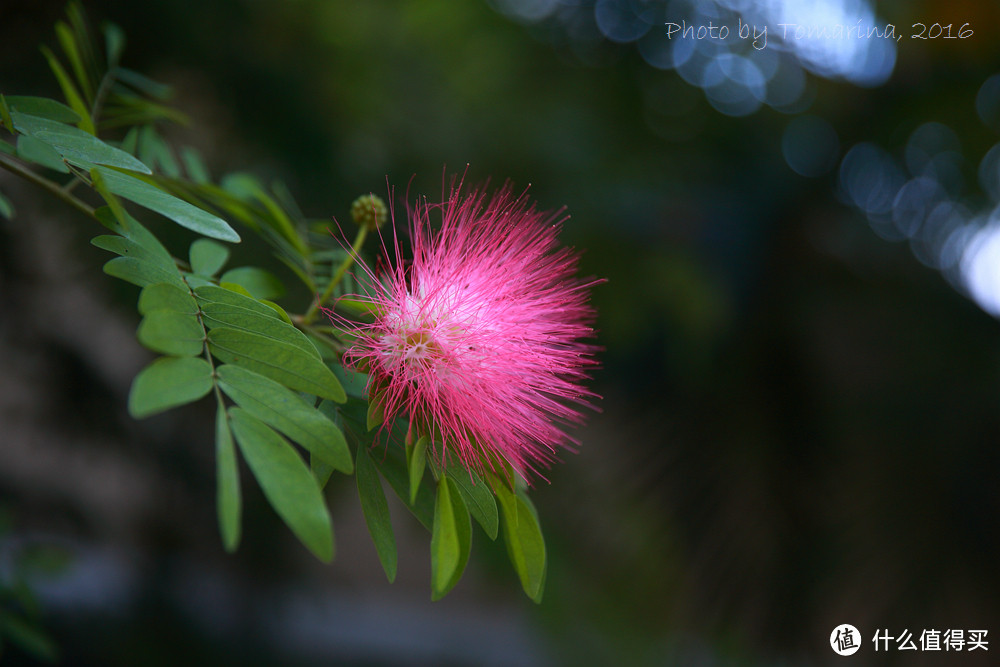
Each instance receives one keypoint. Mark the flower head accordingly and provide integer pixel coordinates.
(369, 211)
(478, 341)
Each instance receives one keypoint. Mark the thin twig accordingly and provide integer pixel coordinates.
(48, 185)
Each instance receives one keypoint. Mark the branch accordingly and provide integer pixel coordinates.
(46, 184)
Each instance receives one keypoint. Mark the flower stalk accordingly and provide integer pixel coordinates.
(352, 256)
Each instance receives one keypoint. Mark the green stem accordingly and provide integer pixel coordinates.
(206, 352)
(46, 184)
(352, 256)
(71, 184)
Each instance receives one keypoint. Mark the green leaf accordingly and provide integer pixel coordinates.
(238, 302)
(243, 186)
(33, 150)
(69, 45)
(239, 289)
(167, 383)
(278, 360)
(416, 461)
(355, 383)
(207, 257)
(286, 319)
(135, 232)
(478, 497)
(127, 109)
(393, 468)
(153, 151)
(130, 143)
(74, 12)
(247, 188)
(138, 272)
(81, 31)
(286, 200)
(321, 470)
(445, 549)
(178, 210)
(296, 267)
(43, 107)
(376, 511)
(230, 298)
(286, 482)
(173, 333)
(70, 92)
(464, 525)
(260, 283)
(126, 247)
(230, 204)
(75, 145)
(194, 280)
(280, 408)
(6, 147)
(114, 41)
(164, 296)
(244, 319)
(358, 307)
(525, 544)
(194, 165)
(229, 504)
(451, 539)
(144, 261)
(6, 208)
(376, 410)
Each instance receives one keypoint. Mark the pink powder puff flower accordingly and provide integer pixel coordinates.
(478, 341)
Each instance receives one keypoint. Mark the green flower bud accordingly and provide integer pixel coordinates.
(370, 211)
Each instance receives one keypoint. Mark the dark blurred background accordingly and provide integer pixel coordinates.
(801, 378)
